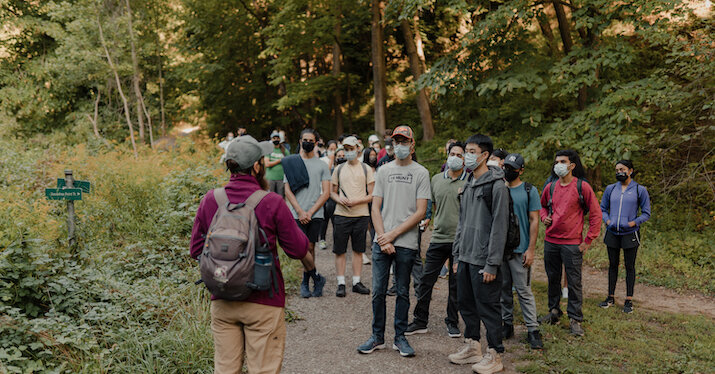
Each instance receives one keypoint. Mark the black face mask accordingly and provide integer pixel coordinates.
(308, 146)
(621, 177)
(276, 142)
(340, 160)
(511, 175)
(372, 161)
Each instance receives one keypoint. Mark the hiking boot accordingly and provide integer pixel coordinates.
(341, 291)
(507, 330)
(628, 306)
(319, 284)
(371, 345)
(469, 354)
(608, 302)
(323, 245)
(551, 318)
(365, 260)
(403, 347)
(534, 339)
(305, 289)
(392, 291)
(453, 331)
(415, 328)
(361, 289)
(576, 328)
(490, 363)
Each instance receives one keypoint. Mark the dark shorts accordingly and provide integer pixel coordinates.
(353, 228)
(627, 241)
(312, 229)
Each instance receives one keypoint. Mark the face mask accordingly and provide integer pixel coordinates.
(455, 163)
(493, 163)
(350, 155)
(390, 151)
(373, 160)
(561, 170)
(402, 151)
(621, 177)
(470, 161)
(230, 137)
(330, 153)
(340, 160)
(308, 146)
(276, 142)
(511, 175)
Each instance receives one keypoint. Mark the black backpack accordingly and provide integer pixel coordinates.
(581, 201)
(513, 238)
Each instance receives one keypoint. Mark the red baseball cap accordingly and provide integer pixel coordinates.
(405, 131)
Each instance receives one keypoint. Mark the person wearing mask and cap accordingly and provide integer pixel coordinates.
(274, 169)
(254, 326)
(383, 152)
(497, 158)
(374, 142)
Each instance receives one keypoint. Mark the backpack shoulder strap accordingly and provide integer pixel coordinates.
(256, 198)
(528, 187)
(221, 197)
(552, 185)
(489, 195)
(364, 170)
(337, 172)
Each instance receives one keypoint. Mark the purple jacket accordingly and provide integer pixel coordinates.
(274, 217)
(622, 207)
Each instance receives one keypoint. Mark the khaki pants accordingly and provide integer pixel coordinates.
(258, 330)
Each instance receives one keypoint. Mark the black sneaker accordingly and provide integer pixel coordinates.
(361, 289)
(392, 291)
(608, 302)
(415, 328)
(453, 331)
(576, 328)
(507, 330)
(628, 306)
(534, 339)
(341, 291)
(551, 318)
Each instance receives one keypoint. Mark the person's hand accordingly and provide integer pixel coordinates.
(608, 223)
(303, 217)
(385, 238)
(583, 247)
(488, 278)
(548, 221)
(345, 201)
(528, 257)
(387, 249)
(425, 223)
(455, 267)
(632, 224)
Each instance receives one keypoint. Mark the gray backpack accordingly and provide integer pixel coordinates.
(228, 261)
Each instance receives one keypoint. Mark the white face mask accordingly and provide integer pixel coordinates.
(493, 163)
(402, 151)
(230, 137)
(455, 163)
(470, 161)
(561, 170)
(350, 155)
(330, 152)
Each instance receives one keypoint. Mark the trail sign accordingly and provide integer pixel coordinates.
(84, 185)
(63, 193)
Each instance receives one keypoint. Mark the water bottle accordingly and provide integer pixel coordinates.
(262, 270)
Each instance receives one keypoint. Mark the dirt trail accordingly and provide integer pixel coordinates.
(326, 338)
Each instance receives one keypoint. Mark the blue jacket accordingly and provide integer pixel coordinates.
(622, 207)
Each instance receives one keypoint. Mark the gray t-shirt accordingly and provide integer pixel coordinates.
(400, 187)
(317, 172)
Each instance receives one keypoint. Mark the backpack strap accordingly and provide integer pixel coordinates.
(364, 170)
(581, 200)
(551, 197)
(488, 195)
(337, 171)
(221, 197)
(256, 198)
(527, 187)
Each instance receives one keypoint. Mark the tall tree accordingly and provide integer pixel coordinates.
(379, 68)
(423, 105)
(337, 62)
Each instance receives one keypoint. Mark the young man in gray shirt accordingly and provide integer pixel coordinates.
(402, 188)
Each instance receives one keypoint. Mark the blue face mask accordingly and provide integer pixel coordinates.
(455, 163)
(470, 161)
(402, 151)
(350, 155)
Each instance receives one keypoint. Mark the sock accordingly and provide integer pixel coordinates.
(356, 279)
(314, 274)
(306, 276)
(341, 280)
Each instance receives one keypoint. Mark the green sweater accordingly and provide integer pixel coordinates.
(446, 214)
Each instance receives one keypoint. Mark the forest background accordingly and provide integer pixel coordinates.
(108, 88)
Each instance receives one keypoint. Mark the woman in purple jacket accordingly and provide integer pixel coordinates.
(620, 205)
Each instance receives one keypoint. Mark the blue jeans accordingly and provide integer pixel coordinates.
(403, 258)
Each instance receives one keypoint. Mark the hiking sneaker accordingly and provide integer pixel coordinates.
(415, 328)
(403, 347)
(507, 330)
(361, 289)
(319, 284)
(443, 273)
(323, 245)
(371, 345)
(341, 291)
(551, 318)
(628, 306)
(453, 331)
(608, 302)
(392, 291)
(534, 339)
(471, 353)
(490, 363)
(305, 290)
(365, 260)
(576, 328)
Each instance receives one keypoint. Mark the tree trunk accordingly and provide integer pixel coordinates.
(545, 27)
(119, 88)
(565, 31)
(135, 79)
(337, 95)
(423, 106)
(96, 115)
(379, 69)
(161, 86)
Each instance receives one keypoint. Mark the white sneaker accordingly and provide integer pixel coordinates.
(490, 363)
(565, 293)
(365, 259)
(322, 244)
(469, 354)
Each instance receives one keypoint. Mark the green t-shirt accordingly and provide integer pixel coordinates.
(275, 173)
(445, 191)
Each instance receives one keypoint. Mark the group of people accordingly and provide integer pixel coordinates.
(475, 205)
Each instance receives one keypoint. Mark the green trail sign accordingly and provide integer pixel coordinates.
(63, 193)
(84, 185)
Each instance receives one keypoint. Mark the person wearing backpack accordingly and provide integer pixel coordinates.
(620, 204)
(479, 246)
(517, 270)
(564, 206)
(352, 185)
(252, 323)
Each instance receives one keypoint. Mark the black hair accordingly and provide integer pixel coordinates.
(578, 171)
(484, 142)
(327, 145)
(357, 136)
(455, 144)
(309, 130)
(628, 164)
(235, 169)
(501, 153)
(366, 156)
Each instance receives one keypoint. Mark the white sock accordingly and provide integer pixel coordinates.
(356, 279)
(341, 280)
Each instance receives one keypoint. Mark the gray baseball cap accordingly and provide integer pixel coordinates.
(514, 160)
(246, 150)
